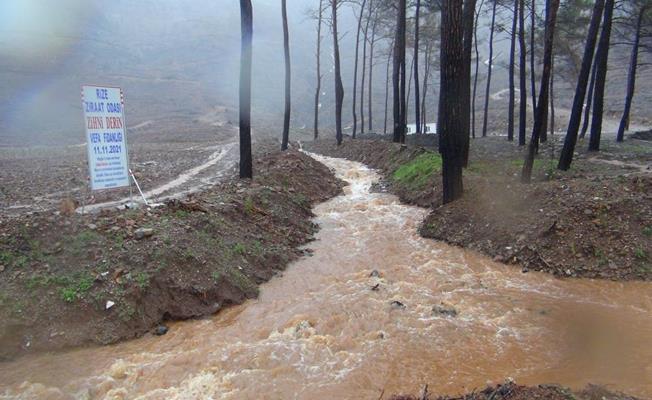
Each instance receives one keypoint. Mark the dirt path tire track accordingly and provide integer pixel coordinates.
(224, 155)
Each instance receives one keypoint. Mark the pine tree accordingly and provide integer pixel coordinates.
(602, 63)
(631, 77)
(398, 75)
(489, 69)
(246, 27)
(339, 88)
(578, 103)
(319, 76)
(288, 77)
(451, 107)
(552, 6)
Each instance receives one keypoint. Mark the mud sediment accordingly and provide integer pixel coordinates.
(76, 280)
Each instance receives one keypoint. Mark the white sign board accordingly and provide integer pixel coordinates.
(105, 136)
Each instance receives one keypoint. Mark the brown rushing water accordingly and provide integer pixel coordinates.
(320, 332)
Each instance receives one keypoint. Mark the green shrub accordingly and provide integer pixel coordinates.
(68, 295)
(239, 248)
(249, 206)
(75, 287)
(640, 254)
(142, 280)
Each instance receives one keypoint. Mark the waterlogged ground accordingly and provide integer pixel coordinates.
(331, 327)
(594, 221)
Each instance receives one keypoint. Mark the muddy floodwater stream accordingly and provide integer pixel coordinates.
(331, 328)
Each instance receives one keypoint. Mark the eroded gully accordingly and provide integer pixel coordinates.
(321, 332)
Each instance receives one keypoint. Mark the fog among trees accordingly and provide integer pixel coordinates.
(180, 62)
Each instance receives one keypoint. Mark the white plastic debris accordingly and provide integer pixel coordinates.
(109, 304)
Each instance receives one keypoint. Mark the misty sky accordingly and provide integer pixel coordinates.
(171, 57)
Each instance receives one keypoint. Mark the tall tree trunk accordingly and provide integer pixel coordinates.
(355, 69)
(544, 130)
(469, 17)
(566, 157)
(477, 68)
(399, 75)
(246, 28)
(512, 70)
(417, 100)
(552, 6)
(288, 77)
(372, 45)
(365, 38)
(602, 59)
(396, 86)
(589, 102)
(424, 94)
(552, 98)
(389, 60)
(543, 138)
(491, 56)
(533, 74)
(631, 79)
(451, 141)
(403, 17)
(339, 88)
(522, 118)
(318, 90)
(409, 88)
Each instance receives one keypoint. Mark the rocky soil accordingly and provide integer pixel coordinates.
(39, 179)
(511, 391)
(97, 279)
(594, 221)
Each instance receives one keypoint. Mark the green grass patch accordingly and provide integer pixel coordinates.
(181, 214)
(142, 280)
(539, 164)
(10, 258)
(640, 254)
(43, 281)
(127, 312)
(536, 165)
(236, 277)
(239, 249)
(647, 231)
(240, 280)
(257, 248)
(479, 167)
(285, 182)
(417, 173)
(189, 254)
(81, 242)
(4, 300)
(631, 148)
(249, 206)
(6, 257)
(300, 200)
(119, 239)
(76, 287)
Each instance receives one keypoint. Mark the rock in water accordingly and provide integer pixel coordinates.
(445, 310)
(397, 304)
(161, 330)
